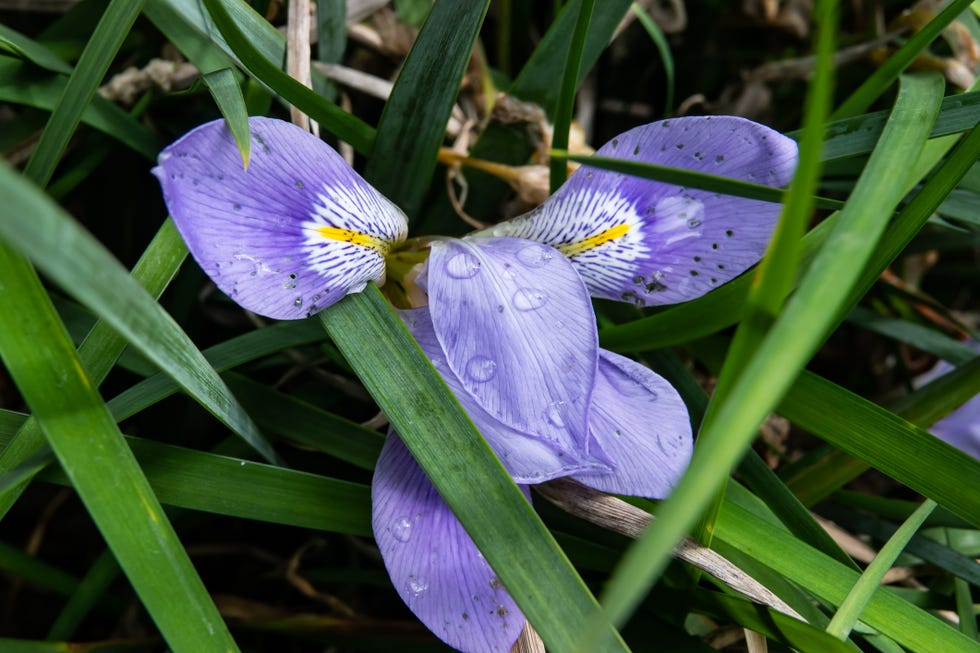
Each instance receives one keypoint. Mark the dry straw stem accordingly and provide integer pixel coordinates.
(528, 642)
(298, 55)
(621, 517)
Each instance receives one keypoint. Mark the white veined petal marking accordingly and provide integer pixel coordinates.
(350, 232)
(599, 230)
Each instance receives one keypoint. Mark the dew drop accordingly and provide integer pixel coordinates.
(298, 302)
(529, 299)
(462, 266)
(535, 256)
(402, 530)
(418, 585)
(481, 369)
(554, 414)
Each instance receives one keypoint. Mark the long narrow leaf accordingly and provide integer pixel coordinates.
(413, 124)
(102, 346)
(99, 282)
(41, 359)
(119, 16)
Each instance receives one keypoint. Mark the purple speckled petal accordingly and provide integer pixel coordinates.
(433, 564)
(642, 425)
(290, 235)
(528, 458)
(651, 243)
(517, 328)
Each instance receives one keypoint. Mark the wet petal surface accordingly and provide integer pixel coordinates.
(642, 425)
(517, 328)
(651, 243)
(528, 459)
(433, 564)
(293, 233)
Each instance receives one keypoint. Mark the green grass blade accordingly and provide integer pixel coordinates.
(227, 94)
(221, 357)
(889, 71)
(341, 124)
(828, 580)
(850, 609)
(566, 96)
(99, 282)
(17, 563)
(464, 470)
(115, 24)
(297, 420)
(689, 178)
(41, 359)
(790, 342)
(663, 47)
(536, 81)
(858, 135)
(891, 444)
(776, 274)
(101, 348)
(23, 458)
(239, 488)
(25, 48)
(413, 124)
(921, 337)
(922, 407)
(90, 589)
(20, 86)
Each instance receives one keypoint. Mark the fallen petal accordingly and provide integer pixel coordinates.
(433, 564)
(651, 243)
(642, 425)
(288, 236)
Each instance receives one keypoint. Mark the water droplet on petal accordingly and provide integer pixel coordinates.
(402, 530)
(481, 369)
(535, 256)
(529, 299)
(555, 414)
(417, 585)
(462, 266)
(298, 302)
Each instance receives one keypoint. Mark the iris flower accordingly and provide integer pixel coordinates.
(508, 321)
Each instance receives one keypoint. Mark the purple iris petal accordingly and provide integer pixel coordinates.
(433, 564)
(517, 328)
(291, 234)
(528, 458)
(961, 428)
(651, 243)
(642, 425)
